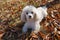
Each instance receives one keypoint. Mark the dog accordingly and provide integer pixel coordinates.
(32, 17)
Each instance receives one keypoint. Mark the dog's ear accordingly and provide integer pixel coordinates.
(23, 17)
(36, 16)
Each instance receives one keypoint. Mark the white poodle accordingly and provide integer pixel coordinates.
(32, 17)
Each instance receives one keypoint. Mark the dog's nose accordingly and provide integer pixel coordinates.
(29, 16)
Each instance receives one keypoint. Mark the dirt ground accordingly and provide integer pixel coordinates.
(11, 26)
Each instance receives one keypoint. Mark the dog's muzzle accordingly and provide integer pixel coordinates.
(29, 16)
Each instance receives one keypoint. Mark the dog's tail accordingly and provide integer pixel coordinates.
(44, 10)
(44, 7)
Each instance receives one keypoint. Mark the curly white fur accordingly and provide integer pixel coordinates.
(32, 17)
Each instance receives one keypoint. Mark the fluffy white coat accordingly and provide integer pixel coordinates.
(32, 17)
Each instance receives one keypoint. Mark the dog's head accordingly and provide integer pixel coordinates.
(30, 13)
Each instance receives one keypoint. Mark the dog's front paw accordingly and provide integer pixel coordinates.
(35, 31)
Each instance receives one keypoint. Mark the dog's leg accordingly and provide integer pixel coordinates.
(37, 28)
(25, 28)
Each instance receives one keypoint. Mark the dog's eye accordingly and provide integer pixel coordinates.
(27, 13)
(32, 12)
